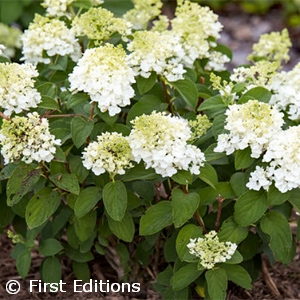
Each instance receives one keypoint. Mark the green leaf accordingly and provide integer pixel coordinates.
(209, 175)
(22, 180)
(242, 159)
(183, 206)
(123, 229)
(188, 91)
(209, 195)
(48, 89)
(294, 198)
(23, 263)
(139, 172)
(76, 99)
(258, 93)
(77, 168)
(250, 207)
(184, 276)
(156, 218)
(232, 232)
(81, 271)
(216, 280)
(218, 125)
(213, 103)
(86, 201)
(238, 183)
(41, 206)
(7, 171)
(238, 275)
(213, 157)
(51, 270)
(49, 103)
(84, 227)
(186, 233)
(115, 199)
(275, 197)
(146, 84)
(66, 182)
(183, 177)
(81, 128)
(50, 247)
(75, 255)
(277, 227)
(236, 258)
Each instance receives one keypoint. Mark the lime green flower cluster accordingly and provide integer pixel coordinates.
(111, 152)
(27, 139)
(199, 127)
(273, 47)
(99, 24)
(143, 12)
(210, 250)
(10, 38)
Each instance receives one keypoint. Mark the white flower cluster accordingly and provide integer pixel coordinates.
(104, 74)
(217, 61)
(111, 152)
(286, 92)
(251, 124)
(161, 142)
(58, 8)
(210, 250)
(195, 25)
(283, 156)
(165, 58)
(50, 36)
(27, 139)
(10, 38)
(17, 92)
(143, 12)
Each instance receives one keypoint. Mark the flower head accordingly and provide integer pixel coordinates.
(27, 139)
(10, 38)
(17, 92)
(111, 152)
(251, 124)
(99, 24)
(199, 126)
(50, 36)
(210, 250)
(164, 59)
(104, 74)
(161, 142)
(143, 12)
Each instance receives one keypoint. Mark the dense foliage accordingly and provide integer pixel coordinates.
(128, 135)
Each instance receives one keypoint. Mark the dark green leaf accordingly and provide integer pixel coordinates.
(183, 177)
(23, 263)
(51, 270)
(213, 103)
(238, 183)
(209, 195)
(49, 103)
(238, 275)
(139, 172)
(209, 175)
(216, 280)
(86, 201)
(81, 271)
(250, 207)
(242, 159)
(81, 128)
(115, 199)
(66, 182)
(156, 218)
(183, 206)
(184, 276)
(258, 93)
(85, 226)
(275, 197)
(277, 227)
(146, 84)
(76, 99)
(50, 247)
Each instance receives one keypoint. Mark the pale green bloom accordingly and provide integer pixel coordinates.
(161, 24)
(199, 126)
(272, 46)
(251, 124)
(27, 139)
(143, 12)
(99, 24)
(197, 27)
(10, 38)
(161, 141)
(51, 37)
(17, 92)
(210, 250)
(111, 152)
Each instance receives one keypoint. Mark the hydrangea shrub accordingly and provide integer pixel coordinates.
(128, 135)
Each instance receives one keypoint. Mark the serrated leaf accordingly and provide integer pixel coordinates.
(115, 199)
(86, 201)
(250, 207)
(81, 128)
(183, 206)
(156, 218)
(276, 226)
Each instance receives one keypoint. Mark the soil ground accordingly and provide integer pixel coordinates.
(277, 282)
